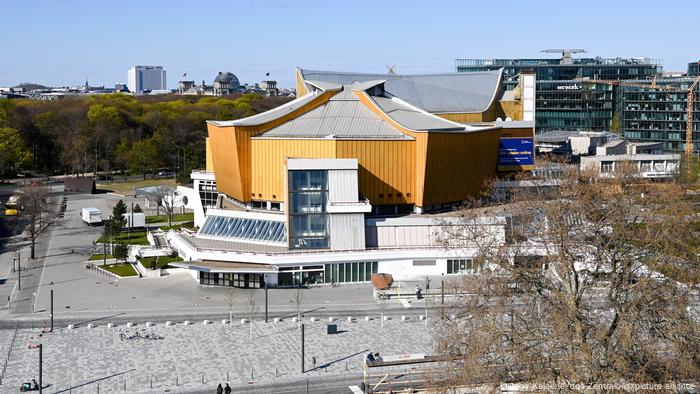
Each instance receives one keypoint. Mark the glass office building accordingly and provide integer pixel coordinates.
(694, 69)
(562, 101)
(658, 115)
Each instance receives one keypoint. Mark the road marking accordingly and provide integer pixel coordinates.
(405, 303)
(355, 390)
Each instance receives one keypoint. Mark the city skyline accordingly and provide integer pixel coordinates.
(264, 37)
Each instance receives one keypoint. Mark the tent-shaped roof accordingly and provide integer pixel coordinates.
(434, 93)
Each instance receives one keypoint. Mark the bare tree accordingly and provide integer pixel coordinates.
(592, 283)
(36, 212)
(230, 299)
(165, 197)
(298, 304)
(252, 307)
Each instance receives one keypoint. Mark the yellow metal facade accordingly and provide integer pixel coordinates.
(430, 169)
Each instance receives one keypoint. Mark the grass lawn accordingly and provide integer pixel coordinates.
(162, 261)
(127, 188)
(120, 269)
(189, 225)
(99, 256)
(178, 217)
(137, 238)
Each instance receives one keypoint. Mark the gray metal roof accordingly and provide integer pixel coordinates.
(435, 93)
(413, 118)
(342, 117)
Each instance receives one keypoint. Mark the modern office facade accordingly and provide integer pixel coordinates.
(146, 78)
(353, 178)
(563, 101)
(658, 115)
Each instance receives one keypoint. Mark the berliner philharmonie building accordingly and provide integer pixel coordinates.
(357, 175)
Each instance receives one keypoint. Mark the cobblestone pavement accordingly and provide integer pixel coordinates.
(81, 359)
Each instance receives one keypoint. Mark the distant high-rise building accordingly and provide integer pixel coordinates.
(145, 78)
(694, 69)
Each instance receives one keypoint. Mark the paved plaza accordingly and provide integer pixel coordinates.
(79, 359)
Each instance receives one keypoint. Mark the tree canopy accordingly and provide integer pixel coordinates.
(110, 132)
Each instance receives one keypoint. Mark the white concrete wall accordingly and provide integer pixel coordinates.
(193, 202)
(342, 185)
(405, 270)
(347, 231)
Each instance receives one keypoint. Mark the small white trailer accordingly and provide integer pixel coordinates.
(91, 216)
(138, 217)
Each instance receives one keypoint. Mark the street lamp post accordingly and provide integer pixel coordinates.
(51, 310)
(302, 348)
(19, 272)
(104, 247)
(265, 278)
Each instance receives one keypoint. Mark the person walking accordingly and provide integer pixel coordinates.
(227, 390)
(417, 292)
(219, 389)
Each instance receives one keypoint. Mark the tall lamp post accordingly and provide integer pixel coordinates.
(265, 278)
(19, 271)
(41, 364)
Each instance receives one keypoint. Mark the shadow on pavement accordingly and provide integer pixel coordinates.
(96, 380)
(328, 364)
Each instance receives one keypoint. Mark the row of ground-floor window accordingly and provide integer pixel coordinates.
(318, 274)
(296, 275)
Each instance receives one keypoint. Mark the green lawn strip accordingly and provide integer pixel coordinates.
(162, 261)
(187, 225)
(136, 238)
(178, 217)
(120, 269)
(99, 256)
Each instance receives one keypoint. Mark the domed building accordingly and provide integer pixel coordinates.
(226, 83)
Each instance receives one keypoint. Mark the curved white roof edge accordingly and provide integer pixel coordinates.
(254, 120)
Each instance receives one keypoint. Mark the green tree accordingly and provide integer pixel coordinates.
(13, 153)
(145, 156)
(106, 123)
(120, 252)
(118, 213)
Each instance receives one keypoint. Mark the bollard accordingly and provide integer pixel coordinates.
(349, 319)
(386, 318)
(168, 323)
(346, 365)
(421, 317)
(129, 324)
(331, 318)
(252, 374)
(98, 388)
(295, 319)
(110, 325)
(177, 380)
(205, 322)
(313, 319)
(366, 318)
(202, 378)
(70, 326)
(148, 324)
(403, 318)
(243, 321)
(227, 379)
(186, 322)
(223, 322)
(276, 372)
(151, 382)
(276, 320)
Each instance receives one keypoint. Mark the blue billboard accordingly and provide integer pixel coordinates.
(516, 152)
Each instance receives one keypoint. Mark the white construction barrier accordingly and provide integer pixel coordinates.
(168, 323)
(186, 322)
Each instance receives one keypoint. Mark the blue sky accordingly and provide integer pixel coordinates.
(59, 42)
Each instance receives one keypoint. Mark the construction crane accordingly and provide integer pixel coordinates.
(689, 118)
(690, 102)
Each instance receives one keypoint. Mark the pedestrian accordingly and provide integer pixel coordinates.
(227, 390)
(417, 292)
(219, 389)
(427, 284)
